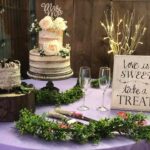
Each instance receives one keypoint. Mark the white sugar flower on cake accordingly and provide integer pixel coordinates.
(60, 23)
(68, 47)
(50, 22)
(52, 47)
(46, 23)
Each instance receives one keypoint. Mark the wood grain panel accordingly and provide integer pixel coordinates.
(68, 13)
(142, 9)
(99, 48)
(11, 104)
(15, 28)
(82, 34)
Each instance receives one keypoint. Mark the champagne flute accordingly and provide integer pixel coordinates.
(104, 82)
(84, 82)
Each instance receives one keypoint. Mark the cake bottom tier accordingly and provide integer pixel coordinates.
(48, 67)
(57, 76)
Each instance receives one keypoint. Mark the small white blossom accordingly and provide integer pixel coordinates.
(68, 47)
(33, 25)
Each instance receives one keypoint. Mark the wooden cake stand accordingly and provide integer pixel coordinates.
(11, 104)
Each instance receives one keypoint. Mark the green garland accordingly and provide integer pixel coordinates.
(131, 125)
(53, 97)
(95, 83)
(50, 95)
(22, 89)
(64, 53)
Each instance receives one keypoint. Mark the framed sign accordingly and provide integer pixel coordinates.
(131, 83)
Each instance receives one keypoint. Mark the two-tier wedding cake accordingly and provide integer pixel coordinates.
(51, 60)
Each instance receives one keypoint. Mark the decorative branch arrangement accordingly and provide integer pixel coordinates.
(124, 34)
(127, 124)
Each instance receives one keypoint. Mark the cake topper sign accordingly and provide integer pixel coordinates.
(51, 10)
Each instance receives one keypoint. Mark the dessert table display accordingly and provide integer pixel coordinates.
(10, 138)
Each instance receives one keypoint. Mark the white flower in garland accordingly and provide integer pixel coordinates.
(60, 23)
(46, 23)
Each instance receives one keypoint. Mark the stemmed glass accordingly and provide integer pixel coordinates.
(104, 82)
(84, 82)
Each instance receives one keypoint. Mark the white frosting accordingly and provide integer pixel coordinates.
(52, 67)
(10, 76)
(50, 77)
(50, 64)
(51, 36)
(45, 71)
(35, 56)
(50, 41)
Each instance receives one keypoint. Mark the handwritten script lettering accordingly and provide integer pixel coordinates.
(131, 83)
(133, 65)
(50, 10)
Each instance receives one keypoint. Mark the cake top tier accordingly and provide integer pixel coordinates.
(8, 63)
(49, 23)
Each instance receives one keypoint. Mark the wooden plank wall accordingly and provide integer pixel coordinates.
(86, 34)
(14, 30)
(88, 47)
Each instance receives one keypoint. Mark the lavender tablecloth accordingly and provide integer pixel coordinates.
(11, 140)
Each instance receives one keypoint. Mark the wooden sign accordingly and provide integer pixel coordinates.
(131, 83)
